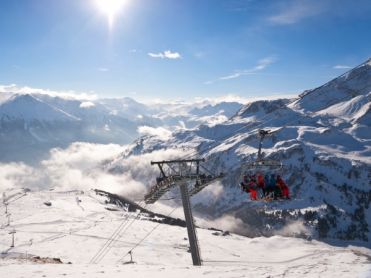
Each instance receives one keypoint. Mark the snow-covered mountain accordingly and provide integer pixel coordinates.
(32, 124)
(323, 138)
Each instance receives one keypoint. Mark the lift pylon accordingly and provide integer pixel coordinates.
(181, 173)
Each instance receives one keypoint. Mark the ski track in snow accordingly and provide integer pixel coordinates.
(75, 235)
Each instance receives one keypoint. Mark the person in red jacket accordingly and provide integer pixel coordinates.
(283, 186)
(252, 190)
(248, 184)
(252, 186)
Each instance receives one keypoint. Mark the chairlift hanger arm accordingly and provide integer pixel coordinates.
(262, 134)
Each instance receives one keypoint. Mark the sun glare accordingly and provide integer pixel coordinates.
(110, 8)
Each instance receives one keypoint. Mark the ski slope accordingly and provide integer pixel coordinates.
(78, 224)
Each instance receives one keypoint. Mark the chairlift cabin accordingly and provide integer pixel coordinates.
(263, 174)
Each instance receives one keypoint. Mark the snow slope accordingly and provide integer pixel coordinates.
(353, 83)
(74, 231)
(30, 108)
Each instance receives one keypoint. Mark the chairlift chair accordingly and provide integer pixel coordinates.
(261, 165)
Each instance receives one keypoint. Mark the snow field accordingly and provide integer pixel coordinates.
(75, 231)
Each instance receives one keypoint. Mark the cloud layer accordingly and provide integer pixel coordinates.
(85, 166)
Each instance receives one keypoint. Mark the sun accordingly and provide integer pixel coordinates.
(110, 8)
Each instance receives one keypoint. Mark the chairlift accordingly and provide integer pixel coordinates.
(254, 175)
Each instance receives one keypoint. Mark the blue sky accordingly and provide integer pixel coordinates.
(173, 49)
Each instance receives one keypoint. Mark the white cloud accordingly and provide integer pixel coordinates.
(84, 166)
(294, 228)
(341, 67)
(235, 75)
(160, 132)
(13, 88)
(213, 120)
(86, 104)
(210, 194)
(19, 175)
(166, 54)
(225, 98)
(80, 167)
(226, 223)
(261, 65)
(82, 155)
(181, 107)
(103, 69)
(294, 11)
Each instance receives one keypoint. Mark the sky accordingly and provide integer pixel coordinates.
(176, 49)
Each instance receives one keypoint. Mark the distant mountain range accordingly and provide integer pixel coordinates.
(32, 124)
